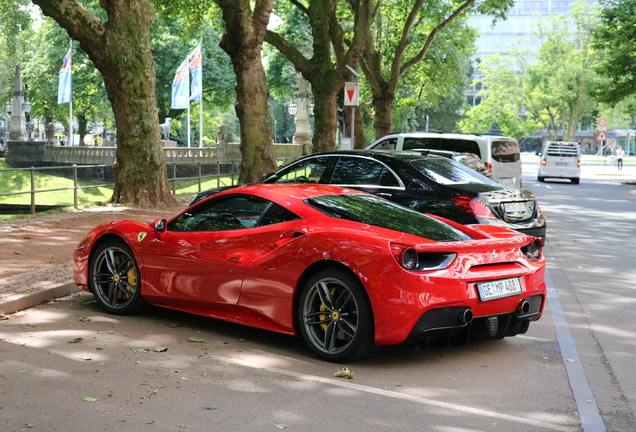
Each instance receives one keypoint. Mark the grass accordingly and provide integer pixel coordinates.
(20, 181)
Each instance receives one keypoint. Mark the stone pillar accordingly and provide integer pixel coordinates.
(302, 135)
(18, 120)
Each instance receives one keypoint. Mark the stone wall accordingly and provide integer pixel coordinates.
(24, 154)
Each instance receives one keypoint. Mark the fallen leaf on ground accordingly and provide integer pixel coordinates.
(193, 339)
(161, 349)
(76, 340)
(345, 372)
(89, 399)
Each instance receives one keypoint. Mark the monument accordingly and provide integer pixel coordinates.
(17, 131)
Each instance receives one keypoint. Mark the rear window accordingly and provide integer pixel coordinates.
(376, 211)
(447, 172)
(563, 150)
(505, 151)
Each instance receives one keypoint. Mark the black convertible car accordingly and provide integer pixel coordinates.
(426, 183)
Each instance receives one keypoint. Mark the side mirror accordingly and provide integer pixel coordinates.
(159, 225)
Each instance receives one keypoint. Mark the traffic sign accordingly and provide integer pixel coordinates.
(352, 94)
(601, 136)
(602, 122)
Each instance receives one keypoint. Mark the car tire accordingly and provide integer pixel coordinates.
(335, 317)
(574, 181)
(114, 278)
(541, 179)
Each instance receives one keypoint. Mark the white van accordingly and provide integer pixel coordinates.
(560, 160)
(500, 154)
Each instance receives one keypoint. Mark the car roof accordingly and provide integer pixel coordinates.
(379, 154)
(282, 191)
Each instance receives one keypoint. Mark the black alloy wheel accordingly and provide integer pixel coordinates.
(114, 278)
(335, 317)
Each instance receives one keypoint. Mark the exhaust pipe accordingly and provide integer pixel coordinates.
(465, 316)
(523, 308)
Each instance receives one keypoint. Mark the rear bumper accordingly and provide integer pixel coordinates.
(444, 326)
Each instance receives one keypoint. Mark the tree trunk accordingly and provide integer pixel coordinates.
(243, 41)
(325, 118)
(120, 50)
(383, 117)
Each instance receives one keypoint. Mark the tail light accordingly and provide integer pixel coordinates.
(405, 255)
(544, 162)
(488, 165)
(474, 206)
(533, 250)
(410, 259)
(578, 164)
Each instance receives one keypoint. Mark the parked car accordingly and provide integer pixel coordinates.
(426, 183)
(345, 270)
(470, 160)
(500, 154)
(560, 160)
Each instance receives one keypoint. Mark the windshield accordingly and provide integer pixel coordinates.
(447, 172)
(376, 211)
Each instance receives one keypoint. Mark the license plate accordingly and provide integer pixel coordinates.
(561, 164)
(498, 289)
(515, 207)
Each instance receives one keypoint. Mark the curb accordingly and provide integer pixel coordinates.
(38, 298)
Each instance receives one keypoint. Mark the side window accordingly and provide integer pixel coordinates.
(223, 214)
(505, 151)
(387, 144)
(361, 171)
(276, 214)
(306, 171)
(458, 145)
(420, 143)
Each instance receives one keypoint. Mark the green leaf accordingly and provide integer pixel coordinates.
(197, 340)
(89, 399)
(280, 426)
(76, 340)
(210, 408)
(140, 350)
(85, 319)
(161, 349)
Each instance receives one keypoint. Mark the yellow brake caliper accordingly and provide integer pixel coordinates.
(132, 280)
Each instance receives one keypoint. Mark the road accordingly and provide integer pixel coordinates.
(242, 379)
(592, 265)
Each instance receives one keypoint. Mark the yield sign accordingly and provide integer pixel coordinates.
(601, 136)
(352, 94)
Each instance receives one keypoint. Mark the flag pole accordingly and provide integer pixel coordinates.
(70, 108)
(201, 100)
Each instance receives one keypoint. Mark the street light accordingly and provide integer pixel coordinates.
(292, 109)
(26, 106)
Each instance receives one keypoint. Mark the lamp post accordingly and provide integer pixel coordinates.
(26, 107)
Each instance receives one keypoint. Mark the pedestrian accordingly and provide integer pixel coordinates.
(620, 153)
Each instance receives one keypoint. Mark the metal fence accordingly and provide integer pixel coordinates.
(175, 170)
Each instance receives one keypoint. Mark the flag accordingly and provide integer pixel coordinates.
(196, 68)
(65, 88)
(180, 87)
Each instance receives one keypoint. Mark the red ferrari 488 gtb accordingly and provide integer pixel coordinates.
(347, 271)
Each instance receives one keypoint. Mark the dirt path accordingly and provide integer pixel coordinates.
(37, 251)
